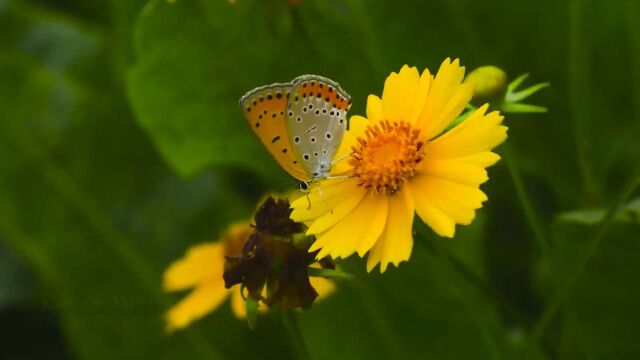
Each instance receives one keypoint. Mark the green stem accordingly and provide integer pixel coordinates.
(290, 323)
(525, 203)
(579, 96)
(594, 242)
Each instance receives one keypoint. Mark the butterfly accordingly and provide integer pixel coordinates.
(301, 123)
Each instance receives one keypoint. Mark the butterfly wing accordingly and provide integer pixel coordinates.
(264, 108)
(316, 120)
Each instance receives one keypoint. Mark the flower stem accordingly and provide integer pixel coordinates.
(290, 323)
(579, 95)
(525, 202)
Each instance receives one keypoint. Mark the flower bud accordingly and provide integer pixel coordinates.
(489, 83)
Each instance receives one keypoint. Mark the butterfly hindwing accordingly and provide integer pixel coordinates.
(316, 121)
(264, 108)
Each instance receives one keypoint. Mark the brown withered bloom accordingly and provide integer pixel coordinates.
(277, 256)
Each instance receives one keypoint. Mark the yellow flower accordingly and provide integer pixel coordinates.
(404, 161)
(201, 270)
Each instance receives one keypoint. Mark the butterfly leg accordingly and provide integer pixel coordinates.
(323, 200)
(304, 187)
(308, 200)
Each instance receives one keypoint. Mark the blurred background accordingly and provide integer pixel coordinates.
(121, 145)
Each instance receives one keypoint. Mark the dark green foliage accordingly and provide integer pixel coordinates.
(121, 144)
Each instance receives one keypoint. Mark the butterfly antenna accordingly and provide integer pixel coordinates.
(341, 158)
(338, 177)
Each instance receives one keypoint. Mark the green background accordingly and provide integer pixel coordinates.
(121, 145)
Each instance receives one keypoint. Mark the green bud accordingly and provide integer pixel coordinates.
(489, 83)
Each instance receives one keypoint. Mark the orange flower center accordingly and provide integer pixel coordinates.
(387, 157)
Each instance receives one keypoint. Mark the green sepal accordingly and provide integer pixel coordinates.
(330, 273)
(523, 94)
(252, 312)
(508, 107)
(302, 240)
(511, 104)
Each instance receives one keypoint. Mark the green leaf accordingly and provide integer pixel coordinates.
(190, 75)
(629, 214)
(184, 95)
(17, 284)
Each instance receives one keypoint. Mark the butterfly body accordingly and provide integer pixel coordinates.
(301, 123)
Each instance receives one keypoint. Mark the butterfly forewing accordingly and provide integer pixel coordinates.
(316, 120)
(265, 108)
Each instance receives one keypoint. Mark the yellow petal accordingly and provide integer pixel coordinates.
(447, 98)
(357, 127)
(456, 200)
(238, 304)
(377, 221)
(478, 133)
(202, 263)
(344, 207)
(440, 222)
(421, 95)
(483, 159)
(396, 242)
(340, 164)
(343, 239)
(323, 196)
(374, 109)
(399, 92)
(454, 170)
(203, 300)
(324, 287)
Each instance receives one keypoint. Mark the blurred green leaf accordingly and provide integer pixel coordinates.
(388, 314)
(93, 211)
(179, 96)
(629, 214)
(103, 290)
(17, 284)
(185, 87)
(428, 301)
(600, 317)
